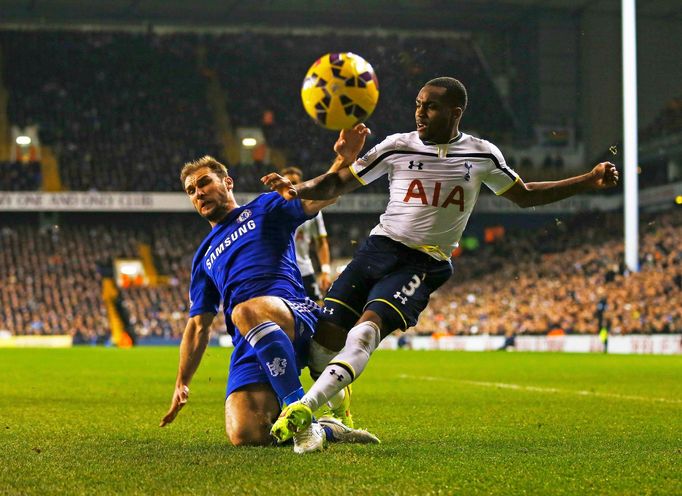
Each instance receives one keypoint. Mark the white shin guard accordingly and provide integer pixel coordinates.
(345, 367)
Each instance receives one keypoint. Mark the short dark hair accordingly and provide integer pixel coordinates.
(205, 161)
(292, 170)
(455, 92)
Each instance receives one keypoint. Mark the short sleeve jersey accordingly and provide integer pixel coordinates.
(250, 253)
(433, 187)
(307, 232)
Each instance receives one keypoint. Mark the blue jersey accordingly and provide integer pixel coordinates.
(250, 253)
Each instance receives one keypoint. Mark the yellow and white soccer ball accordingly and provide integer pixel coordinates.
(340, 90)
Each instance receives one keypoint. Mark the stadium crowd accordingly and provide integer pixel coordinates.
(50, 280)
(569, 277)
(161, 311)
(667, 122)
(127, 109)
(17, 176)
(124, 110)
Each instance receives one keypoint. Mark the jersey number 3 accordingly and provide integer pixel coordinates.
(416, 190)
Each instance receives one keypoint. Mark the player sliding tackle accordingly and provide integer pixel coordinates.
(247, 263)
(435, 175)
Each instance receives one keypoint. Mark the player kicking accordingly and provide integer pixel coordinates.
(435, 175)
(339, 405)
(247, 263)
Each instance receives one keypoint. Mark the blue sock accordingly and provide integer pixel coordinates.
(276, 355)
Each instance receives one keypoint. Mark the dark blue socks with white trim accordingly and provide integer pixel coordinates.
(276, 355)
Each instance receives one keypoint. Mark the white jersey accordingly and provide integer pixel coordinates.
(433, 188)
(311, 229)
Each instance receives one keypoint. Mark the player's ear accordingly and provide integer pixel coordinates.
(457, 112)
(229, 183)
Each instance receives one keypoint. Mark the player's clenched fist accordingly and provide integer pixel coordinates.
(180, 397)
(280, 184)
(604, 175)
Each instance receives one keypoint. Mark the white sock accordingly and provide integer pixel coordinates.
(345, 367)
(320, 356)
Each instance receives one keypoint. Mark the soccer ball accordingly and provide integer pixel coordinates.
(340, 90)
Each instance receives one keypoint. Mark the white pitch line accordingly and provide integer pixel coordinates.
(539, 389)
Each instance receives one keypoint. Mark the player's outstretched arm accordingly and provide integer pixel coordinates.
(604, 175)
(194, 342)
(326, 187)
(337, 181)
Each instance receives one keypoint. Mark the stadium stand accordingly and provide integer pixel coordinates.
(17, 176)
(161, 311)
(527, 283)
(50, 279)
(124, 110)
(403, 63)
(559, 278)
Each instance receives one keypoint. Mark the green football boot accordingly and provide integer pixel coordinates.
(294, 418)
(342, 411)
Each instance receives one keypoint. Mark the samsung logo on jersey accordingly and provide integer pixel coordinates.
(243, 229)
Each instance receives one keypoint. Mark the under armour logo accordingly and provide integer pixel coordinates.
(418, 165)
(468, 167)
(330, 311)
(339, 377)
(398, 296)
(277, 367)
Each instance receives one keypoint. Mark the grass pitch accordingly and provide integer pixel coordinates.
(85, 421)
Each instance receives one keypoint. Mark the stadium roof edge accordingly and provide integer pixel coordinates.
(456, 14)
(167, 29)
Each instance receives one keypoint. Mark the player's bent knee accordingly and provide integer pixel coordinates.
(249, 414)
(386, 317)
(245, 316)
(250, 437)
(255, 311)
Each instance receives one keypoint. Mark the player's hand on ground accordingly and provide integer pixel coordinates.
(604, 175)
(351, 141)
(280, 184)
(180, 397)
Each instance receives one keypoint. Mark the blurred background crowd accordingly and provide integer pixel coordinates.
(567, 276)
(122, 111)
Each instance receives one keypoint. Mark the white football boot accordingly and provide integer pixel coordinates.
(310, 439)
(340, 433)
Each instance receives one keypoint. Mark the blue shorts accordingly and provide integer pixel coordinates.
(244, 366)
(388, 278)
